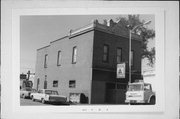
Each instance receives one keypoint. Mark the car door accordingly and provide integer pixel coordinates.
(41, 95)
(147, 91)
(38, 95)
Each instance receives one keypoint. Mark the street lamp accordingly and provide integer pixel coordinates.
(131, 29)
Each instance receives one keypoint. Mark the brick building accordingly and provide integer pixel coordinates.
(85, 62)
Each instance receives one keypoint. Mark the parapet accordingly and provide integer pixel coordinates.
(109, 26)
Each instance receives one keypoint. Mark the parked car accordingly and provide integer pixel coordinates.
(25, 92)
(46, 95)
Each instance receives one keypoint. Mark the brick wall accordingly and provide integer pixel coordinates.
(114, 42)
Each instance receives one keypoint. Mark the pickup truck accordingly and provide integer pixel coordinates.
(140, 93)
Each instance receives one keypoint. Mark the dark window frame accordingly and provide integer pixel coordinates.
(45, 60)
(74, 55)
(59, 58)
(117, 55)
(55, 85)
(74, 82)
(105, 54)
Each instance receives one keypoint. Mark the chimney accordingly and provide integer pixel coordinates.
(111, 23)
(105, 22)
(95, 22)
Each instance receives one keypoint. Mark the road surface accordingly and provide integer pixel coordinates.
(29, 102)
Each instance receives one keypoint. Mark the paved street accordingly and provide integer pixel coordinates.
(29, 102)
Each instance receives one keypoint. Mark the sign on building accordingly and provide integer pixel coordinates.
(22, 76)
(121, 72)
(74, 97)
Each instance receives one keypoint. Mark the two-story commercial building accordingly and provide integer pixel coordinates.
(85, 61)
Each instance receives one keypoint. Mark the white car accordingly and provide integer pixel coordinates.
(25, 92)
(46, 95)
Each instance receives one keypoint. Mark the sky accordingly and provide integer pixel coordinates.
(39, 31)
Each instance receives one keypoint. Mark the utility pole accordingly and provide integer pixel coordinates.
(131, 29)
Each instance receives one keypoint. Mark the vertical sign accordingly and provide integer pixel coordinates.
(121, 70)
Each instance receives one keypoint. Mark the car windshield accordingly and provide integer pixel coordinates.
(27, 89)
(51, 92)
(147, 87)
(33, 90)
(135, 87)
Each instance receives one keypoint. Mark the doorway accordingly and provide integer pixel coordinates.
(115, 93)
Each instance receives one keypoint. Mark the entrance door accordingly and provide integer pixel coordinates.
(115, 93)
(110, 93)
(120, 93)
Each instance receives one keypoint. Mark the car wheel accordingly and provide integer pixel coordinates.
(152, 101)
(43, 101)
(33, 98)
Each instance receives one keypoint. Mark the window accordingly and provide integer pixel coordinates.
(135, 87)
(106, 53)
(40, 91)
(45, 82)
(74, 55)
(59, 58)
(51, 92)
(45, 61)
(72, 84)
(147, 87)
(119, 55)
(55, 83)
(132, 58)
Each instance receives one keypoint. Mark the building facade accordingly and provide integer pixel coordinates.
(85, 61)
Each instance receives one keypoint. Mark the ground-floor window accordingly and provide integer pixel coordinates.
(72, 84)
(55, 83)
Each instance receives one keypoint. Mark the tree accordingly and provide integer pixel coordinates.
(145, 33)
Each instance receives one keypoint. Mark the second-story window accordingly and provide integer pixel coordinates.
(119, 55)
(105, 53)
(74, 55)
(59, 58)
(45, 60)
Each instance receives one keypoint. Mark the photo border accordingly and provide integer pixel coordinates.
(159, 68)
(170, 68)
